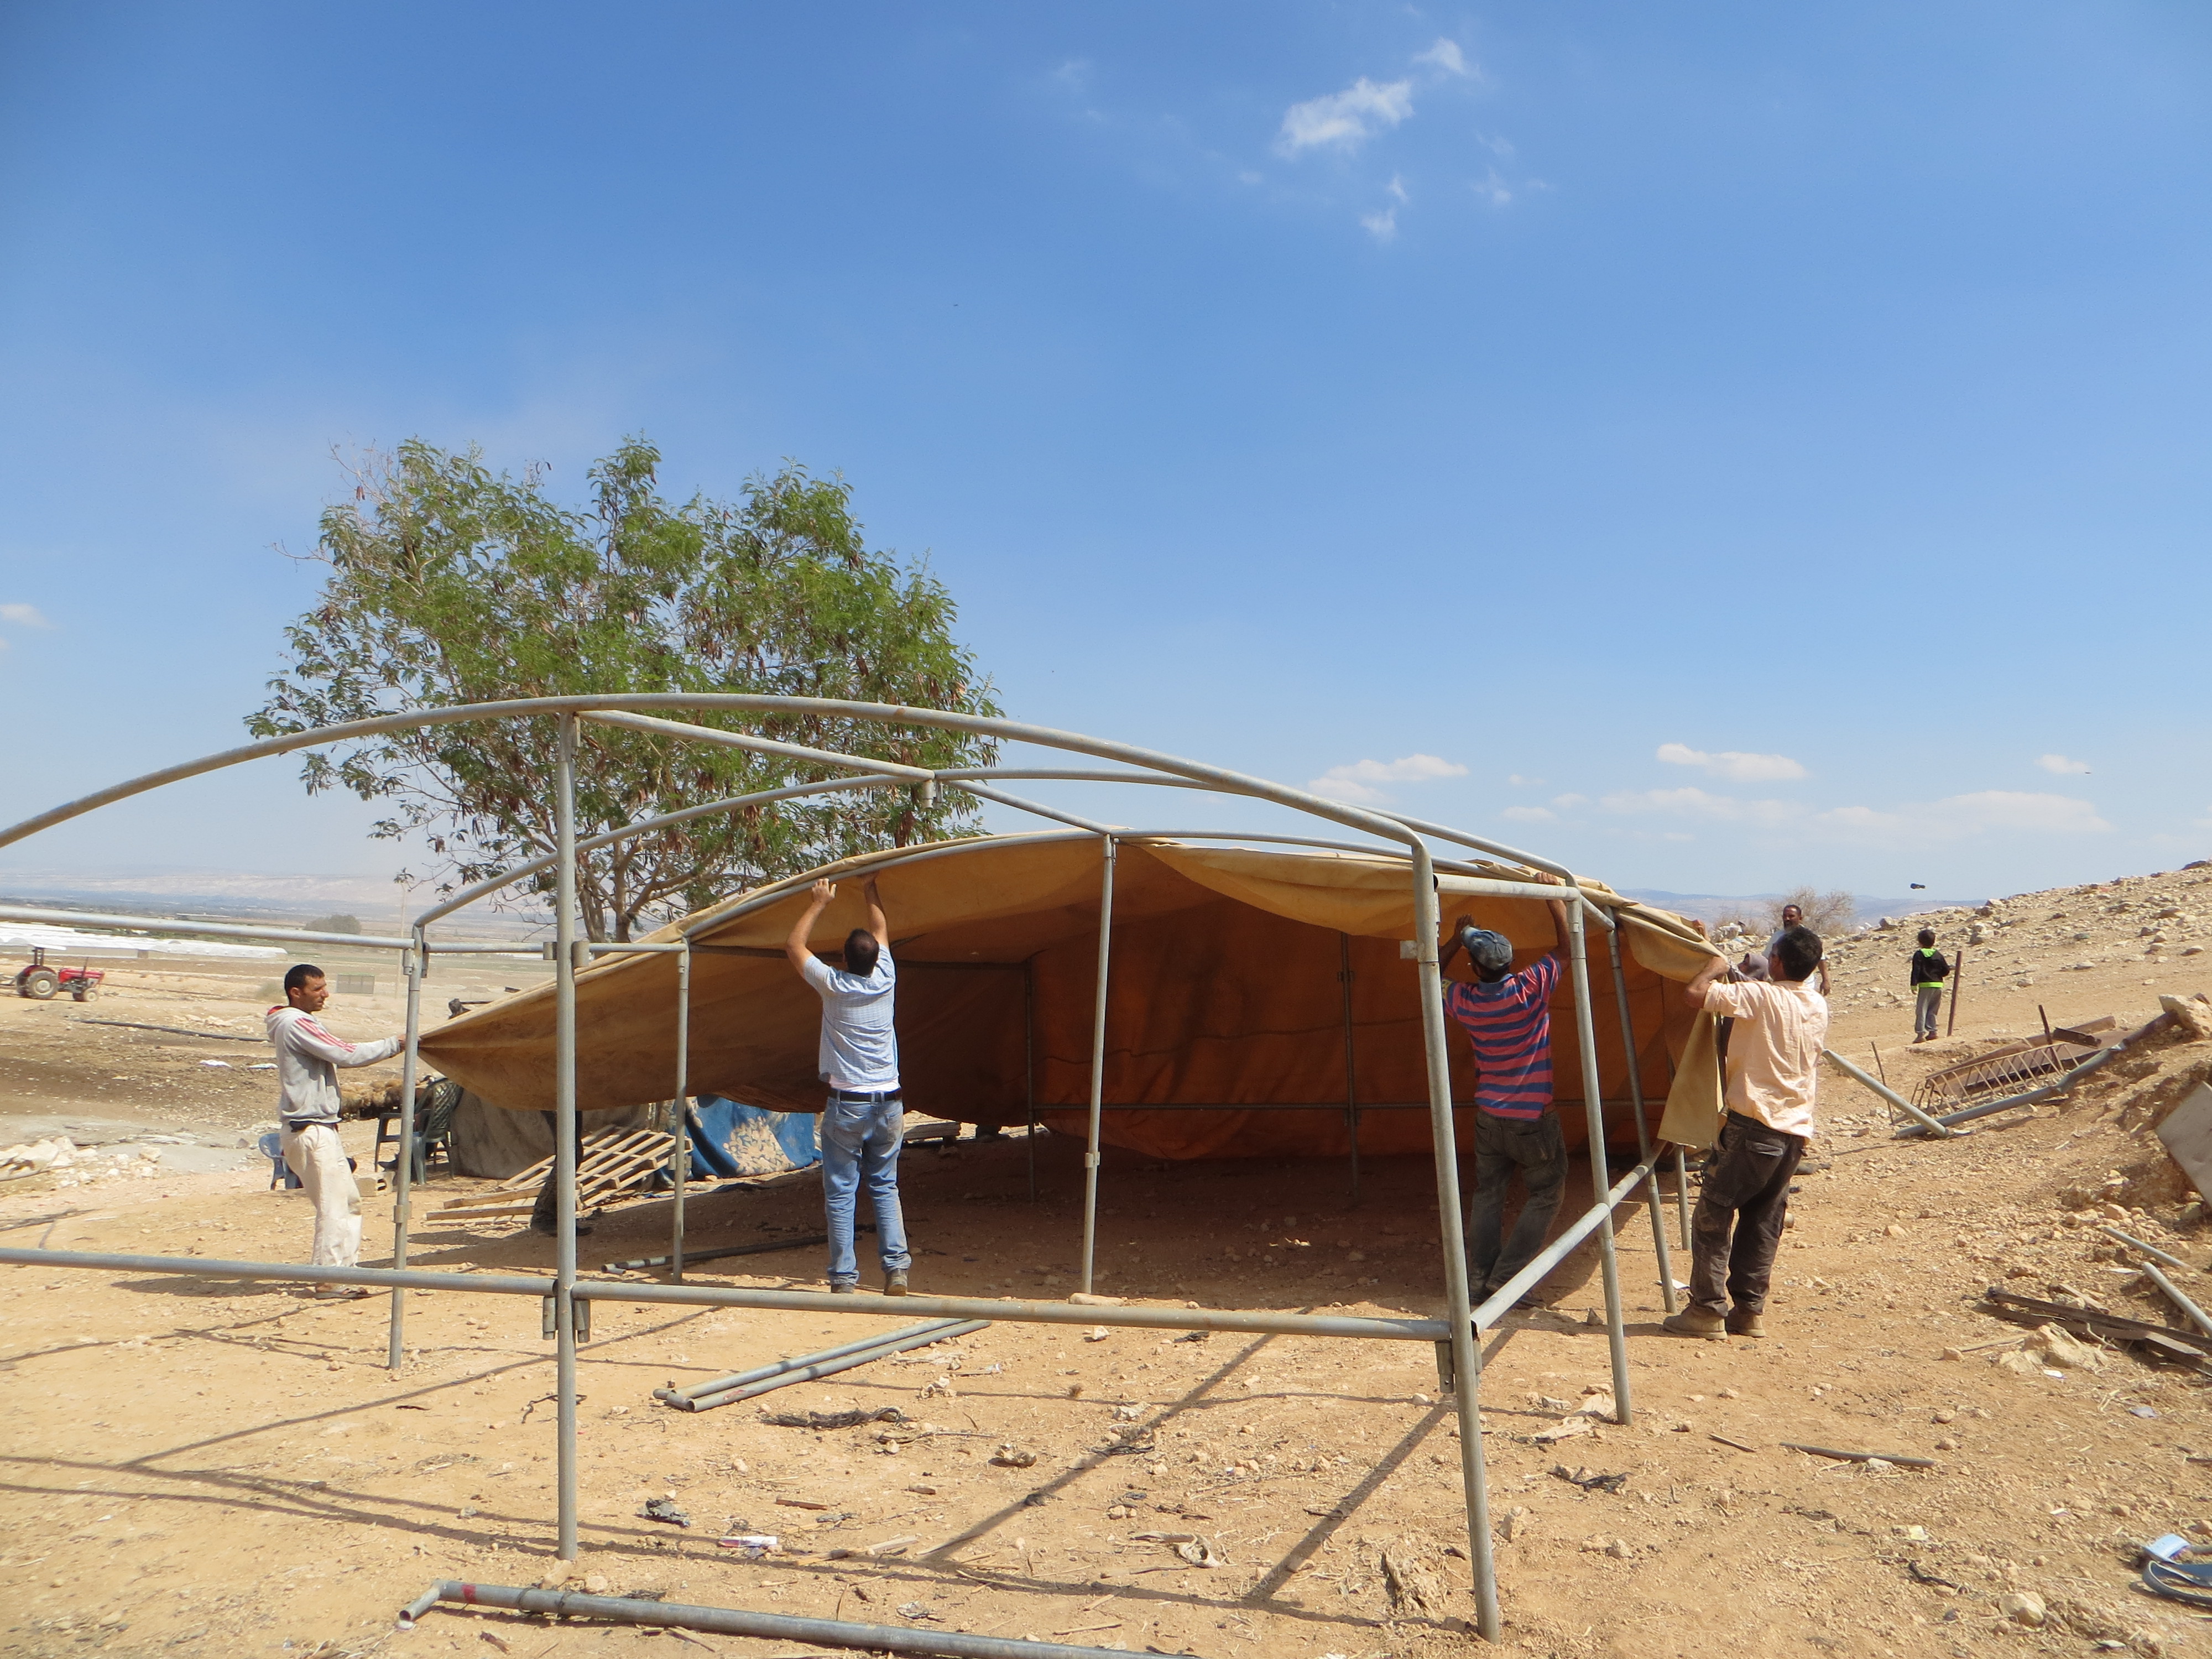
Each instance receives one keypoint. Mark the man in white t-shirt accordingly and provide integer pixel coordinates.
(1773, 1072)
(863, 1126)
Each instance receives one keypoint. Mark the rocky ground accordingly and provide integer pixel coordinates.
(195, 1468)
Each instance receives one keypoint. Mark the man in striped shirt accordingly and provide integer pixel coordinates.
(1508, 1017)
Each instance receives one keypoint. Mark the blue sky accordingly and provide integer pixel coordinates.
(1721, 447)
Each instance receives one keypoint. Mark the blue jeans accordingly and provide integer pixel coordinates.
(860, 1142)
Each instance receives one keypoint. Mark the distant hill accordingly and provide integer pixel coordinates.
(1711, 907)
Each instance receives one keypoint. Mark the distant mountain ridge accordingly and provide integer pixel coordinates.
(1711, 907)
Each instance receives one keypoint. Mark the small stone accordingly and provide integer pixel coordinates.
(1621, 1550)
(1947, 1444)
(1892, 1230)
(1514, 1524)
(596, 1584)
(2022, 1607)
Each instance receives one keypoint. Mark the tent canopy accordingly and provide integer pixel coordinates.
(1240, 979)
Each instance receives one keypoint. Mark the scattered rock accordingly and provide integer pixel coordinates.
(2193, 1014)
(2022, 1607)
(1415, 1590)
(1514, 1524)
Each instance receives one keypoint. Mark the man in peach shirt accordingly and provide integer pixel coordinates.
(1773, 1059)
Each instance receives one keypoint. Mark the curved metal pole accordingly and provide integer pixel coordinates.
(1600, 1176)
(679, 1150)
(413, 964)
(1643, 1129)
(470, 895)
(1350, 1069)
(564, 1135)
(1459, 1311)
(1377, 823)
(1098, 1065)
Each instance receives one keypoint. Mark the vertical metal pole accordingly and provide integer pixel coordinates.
(1682, 1195)
(1097, 1067)
(1028, 1062)
(679, 1148)
(564, 1131)
(1643, 1129)
(1459, 1311)
(1600, 1176)
(411, 963)
(1350, 1069)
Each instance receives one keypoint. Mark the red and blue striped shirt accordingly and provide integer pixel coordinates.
(1509, 1023)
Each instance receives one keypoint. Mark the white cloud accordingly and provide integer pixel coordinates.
(27, 615)
(2060, 764)
(1530, 815)
(1383, 227)
(1731, 763)
(1492, 189)
(1520, 783)
(1356, 782)
(1346, 119)
(1918, 824)
(1445, 55)
(1568, 802)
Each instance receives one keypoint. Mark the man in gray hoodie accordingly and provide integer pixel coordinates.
(307, 1057)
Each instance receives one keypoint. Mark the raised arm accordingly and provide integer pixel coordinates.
(794, 947)
(1693, 993)
(876, 925)
(1558, 909)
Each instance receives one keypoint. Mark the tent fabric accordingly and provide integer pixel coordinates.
(1224, 998)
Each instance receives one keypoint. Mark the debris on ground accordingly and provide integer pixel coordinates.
(664, 1509)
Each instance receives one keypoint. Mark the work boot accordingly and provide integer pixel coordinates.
(895, 1282)
(1694, 1321)
(843, 1287)
(1741, 1322)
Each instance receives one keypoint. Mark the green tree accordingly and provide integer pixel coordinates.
(450, 583)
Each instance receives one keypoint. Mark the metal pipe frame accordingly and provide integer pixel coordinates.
(629, 711)
(403, 1172)
(1594, 1111)
(1504, 1298)
(1926, 1123)
(786, 1367)
(817, 1366)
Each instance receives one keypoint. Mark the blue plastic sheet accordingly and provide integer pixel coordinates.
(729, 1138)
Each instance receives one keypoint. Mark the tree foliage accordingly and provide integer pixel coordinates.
(450, 583)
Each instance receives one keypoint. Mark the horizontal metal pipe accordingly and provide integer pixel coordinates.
(676, 949)
(1501, 1302)
(1924, 1123)
(1481, 844)
(1021, 805)
(152, 925)
(719, 1296)
(821, 1367)
(772, 1626)
(2174, 1294)
(492, 883)
(784, 1367)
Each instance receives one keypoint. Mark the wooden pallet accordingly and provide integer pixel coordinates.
(619, 1164)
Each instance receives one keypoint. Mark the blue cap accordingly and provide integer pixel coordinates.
(1487, 950)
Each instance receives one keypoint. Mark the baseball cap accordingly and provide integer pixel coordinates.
(1487, 950)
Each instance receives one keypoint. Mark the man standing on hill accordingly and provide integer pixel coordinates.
(863, 1126)
(1929, 970)
(1773, 1054)
(1507, 1017)
(307, 1057)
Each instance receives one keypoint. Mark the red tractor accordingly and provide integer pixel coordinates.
(40, 982)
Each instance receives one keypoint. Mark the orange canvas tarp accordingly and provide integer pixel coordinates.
(1224, 993)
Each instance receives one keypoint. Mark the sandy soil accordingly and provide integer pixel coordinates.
(195, 1468)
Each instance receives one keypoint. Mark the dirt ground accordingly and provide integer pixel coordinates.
(194, 1468)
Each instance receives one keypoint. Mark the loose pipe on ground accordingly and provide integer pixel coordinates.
(704, 1400)
(725, 1621)
(1593, 1112)
(786, 1367)
(2197, 1314)
(1891, 1095)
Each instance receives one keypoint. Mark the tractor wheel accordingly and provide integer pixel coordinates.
(83, 992)
(39, 984)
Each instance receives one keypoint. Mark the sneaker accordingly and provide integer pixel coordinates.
(1698, 1322)
(1741, 1322)
(895, 1282)
(843, 1287)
